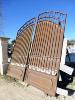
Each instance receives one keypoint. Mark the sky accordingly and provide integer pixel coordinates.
(17, 12)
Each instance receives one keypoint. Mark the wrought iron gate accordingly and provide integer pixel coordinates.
(44, 54)
(21, 50)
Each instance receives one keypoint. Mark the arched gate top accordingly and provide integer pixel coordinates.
(56, 17)
(26, 25)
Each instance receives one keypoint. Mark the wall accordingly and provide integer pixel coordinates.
(3, 55)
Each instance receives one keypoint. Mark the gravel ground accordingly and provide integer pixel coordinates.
(14, 90)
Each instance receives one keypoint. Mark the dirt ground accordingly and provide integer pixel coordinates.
(14, 90)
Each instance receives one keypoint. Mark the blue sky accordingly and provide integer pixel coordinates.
(17, 12)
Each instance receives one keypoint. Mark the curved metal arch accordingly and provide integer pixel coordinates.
(55, 17)
(31, 22)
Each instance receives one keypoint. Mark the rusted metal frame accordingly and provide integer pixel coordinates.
(48, 90)
(58, 44)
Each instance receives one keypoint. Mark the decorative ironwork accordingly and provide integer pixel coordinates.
(37, 61)
(46, 49)
(55, 17)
